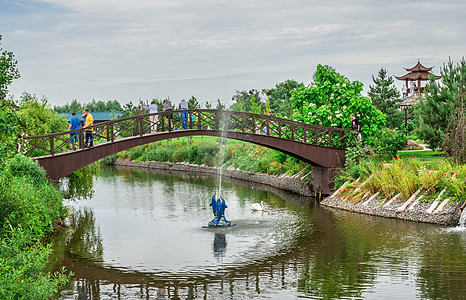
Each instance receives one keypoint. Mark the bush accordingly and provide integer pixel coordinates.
(389, 141)
(21, 271)
(21, 166)
(28, 199)
(180, 154)
(29, 205)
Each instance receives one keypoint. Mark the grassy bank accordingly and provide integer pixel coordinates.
(30, 205)
(211, 151)
(425, 172)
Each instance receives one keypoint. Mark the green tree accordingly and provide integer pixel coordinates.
(330, 100)
(208, 105)
(35, 116)
(8, 130)
(255, 106)
(385, 97)
(242, 100)
(435, 111)
(93, 106)
(8, 70)
(220, 105)
(280, 95)
(193, 104)
(75, 106)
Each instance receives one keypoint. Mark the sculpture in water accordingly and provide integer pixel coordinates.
(218, 209)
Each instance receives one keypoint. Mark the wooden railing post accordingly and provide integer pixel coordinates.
(112, 137)
(141, 131)
(242, 123)
(52, 151)
(253, 124)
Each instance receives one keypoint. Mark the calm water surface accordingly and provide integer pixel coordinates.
(140, 236)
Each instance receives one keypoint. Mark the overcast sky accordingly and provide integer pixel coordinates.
(142, 49)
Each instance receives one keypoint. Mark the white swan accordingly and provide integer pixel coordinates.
(257, 206)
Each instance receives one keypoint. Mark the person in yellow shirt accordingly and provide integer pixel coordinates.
(89, 121)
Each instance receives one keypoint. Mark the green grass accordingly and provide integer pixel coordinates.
(428, 155)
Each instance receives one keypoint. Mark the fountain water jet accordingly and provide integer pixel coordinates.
(218, 203)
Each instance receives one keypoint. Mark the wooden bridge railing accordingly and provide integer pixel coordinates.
(200, 119)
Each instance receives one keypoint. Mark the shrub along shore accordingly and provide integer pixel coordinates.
(31, 206)
(426, 189)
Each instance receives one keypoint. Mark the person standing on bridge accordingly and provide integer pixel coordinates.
(152, 109)
(355, 125)
(75, 123)
(167, 106)
(89, 142)
(184, 115)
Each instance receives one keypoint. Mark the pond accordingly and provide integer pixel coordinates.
(140, 236)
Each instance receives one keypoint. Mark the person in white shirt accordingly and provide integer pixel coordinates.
(152, 109)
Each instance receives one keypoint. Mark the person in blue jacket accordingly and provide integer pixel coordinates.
(75, 123)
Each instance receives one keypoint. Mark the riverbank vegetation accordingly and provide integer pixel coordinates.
(212, 151)
(30, 206)
(405, 176)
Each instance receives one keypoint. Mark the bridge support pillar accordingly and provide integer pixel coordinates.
(321, 180)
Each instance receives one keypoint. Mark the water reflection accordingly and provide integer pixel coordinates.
(138, 238)
(80, 184)
(220, 245)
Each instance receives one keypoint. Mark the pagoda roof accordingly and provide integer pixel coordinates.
(418, 68)
(417, 76)
(418, 72)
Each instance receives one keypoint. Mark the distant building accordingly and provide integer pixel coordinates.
(418, 73)
(99, 117)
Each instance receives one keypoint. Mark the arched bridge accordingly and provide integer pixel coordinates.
(323, 147)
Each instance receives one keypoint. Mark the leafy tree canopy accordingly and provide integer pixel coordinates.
(330, 100)
(36, 117)
(8, 130)
(385, 97)
(93, 106)
(220, 105)
(279, 97)
(8, 70)
(193, 104)
(435, 111)
(243, 100)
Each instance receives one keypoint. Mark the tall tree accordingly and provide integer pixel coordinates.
(8, 70)
(208, 105)
(386, 98)
(280, 95)
(242, 100)
(193, 104)
(435, 111)
(36, 116)
(8, 130)
(330, 100)
(220, 105)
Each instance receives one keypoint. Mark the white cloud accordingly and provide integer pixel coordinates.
(126, 50)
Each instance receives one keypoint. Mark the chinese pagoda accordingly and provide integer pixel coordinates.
(417, 74)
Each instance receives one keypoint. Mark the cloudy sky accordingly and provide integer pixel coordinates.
(142, 49)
